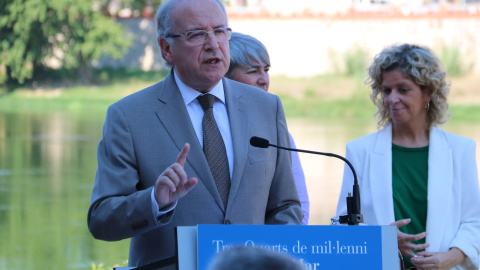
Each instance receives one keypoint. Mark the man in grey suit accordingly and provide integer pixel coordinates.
(153, 174)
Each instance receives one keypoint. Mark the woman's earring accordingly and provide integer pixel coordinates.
(427, 106)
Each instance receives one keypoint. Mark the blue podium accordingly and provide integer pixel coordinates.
(317, 247)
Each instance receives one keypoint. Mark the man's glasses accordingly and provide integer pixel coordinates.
(197, 37)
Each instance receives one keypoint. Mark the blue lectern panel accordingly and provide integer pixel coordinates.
(318, 247)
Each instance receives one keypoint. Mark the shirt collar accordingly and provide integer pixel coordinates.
(189, 94)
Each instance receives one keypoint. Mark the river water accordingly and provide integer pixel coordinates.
(47, 169)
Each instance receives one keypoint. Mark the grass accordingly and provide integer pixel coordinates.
(465, 113)
(102, 266)
(455, 62)
(109, 86)
(320, 97)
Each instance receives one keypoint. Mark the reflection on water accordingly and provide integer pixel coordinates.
(324, 174)
(47, 168)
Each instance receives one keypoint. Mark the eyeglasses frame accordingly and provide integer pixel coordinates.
(206, 36)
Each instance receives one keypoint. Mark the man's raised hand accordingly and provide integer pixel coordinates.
(172, 184)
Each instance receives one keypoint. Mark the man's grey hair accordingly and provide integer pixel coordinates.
(244, 50)
(166, 25)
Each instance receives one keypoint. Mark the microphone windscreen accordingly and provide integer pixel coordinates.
(259, 142)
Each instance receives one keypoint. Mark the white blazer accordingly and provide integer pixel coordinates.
(453, 218)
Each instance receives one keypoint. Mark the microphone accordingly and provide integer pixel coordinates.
(353, 216)
(259, 142)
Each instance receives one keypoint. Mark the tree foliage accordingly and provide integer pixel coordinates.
(73, 32)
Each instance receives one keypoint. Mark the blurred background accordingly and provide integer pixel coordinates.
(63, 62)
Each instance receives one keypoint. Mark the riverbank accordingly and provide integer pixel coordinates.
(319, 97)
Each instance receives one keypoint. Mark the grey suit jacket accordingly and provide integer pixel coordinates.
(143, 134)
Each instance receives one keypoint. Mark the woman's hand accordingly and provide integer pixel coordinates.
(438, 260)
(405, 244)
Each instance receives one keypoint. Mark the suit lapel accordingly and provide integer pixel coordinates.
(380, 173)
(238, 126)
(440, 180)
(174, 117)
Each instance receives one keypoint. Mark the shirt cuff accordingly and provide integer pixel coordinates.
(155, 207)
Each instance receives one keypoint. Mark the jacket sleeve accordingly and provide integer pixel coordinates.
(118, 210)
(300, 183)
(467, 238)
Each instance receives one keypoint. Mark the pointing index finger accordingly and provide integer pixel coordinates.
(182, 157)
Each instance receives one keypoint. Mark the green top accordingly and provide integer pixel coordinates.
(410, 189)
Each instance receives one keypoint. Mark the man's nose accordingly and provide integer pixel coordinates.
(211, 41)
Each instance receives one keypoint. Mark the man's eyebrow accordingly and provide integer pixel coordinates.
(195, 29)
(220, 26)
(202, 28)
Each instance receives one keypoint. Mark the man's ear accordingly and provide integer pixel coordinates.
(166, 49)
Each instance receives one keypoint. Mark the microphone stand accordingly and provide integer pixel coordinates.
(353, 216)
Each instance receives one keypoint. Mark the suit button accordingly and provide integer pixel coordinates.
(227, 222)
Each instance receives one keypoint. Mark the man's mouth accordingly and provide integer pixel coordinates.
(212, 61)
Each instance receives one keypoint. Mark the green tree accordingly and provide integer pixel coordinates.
(73, 32)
